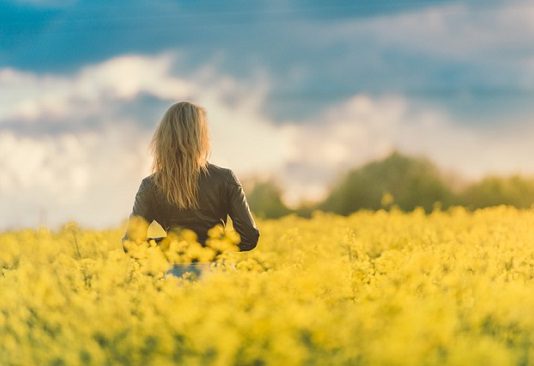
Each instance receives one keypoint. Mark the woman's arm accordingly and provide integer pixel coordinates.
(240, 214)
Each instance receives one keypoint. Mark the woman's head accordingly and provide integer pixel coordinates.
(181, 147)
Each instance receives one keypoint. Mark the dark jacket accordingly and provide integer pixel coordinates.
(220, 195)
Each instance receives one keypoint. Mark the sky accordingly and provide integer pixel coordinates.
(296, 91)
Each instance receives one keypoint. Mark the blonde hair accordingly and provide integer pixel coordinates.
(181, 147)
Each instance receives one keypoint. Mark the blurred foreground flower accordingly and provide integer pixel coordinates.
(387, 199)
(180, 245)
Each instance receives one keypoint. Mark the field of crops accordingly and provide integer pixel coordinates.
(374, 288)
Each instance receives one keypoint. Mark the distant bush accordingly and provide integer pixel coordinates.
(398, 180)
(265, 200)
(407, 182)
(491, 191)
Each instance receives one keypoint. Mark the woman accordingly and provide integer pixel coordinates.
(184, 189)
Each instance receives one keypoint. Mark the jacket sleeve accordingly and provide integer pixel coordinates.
(239, 212)
(142, 206)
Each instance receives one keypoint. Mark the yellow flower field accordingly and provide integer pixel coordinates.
(374, 288)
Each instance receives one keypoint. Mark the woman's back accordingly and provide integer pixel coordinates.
(184, 189)
(220, 194)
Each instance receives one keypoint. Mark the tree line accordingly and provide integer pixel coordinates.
(398, 180)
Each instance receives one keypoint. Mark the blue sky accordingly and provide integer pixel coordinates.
(300, 38)
(299, 80)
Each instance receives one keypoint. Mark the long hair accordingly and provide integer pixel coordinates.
(181, 147)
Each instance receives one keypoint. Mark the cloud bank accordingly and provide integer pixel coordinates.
(90, 155)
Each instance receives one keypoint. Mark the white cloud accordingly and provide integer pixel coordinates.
(360, 129)
(92, 175)
(493, 43)
(456, 30)
(89, 176)
(28, 97)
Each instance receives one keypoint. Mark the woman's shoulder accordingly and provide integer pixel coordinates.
(148, 179)
(219, 171)
(147, 182)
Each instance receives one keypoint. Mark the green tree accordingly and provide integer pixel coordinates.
(514, 190)
(405, 181)
(265, 200)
